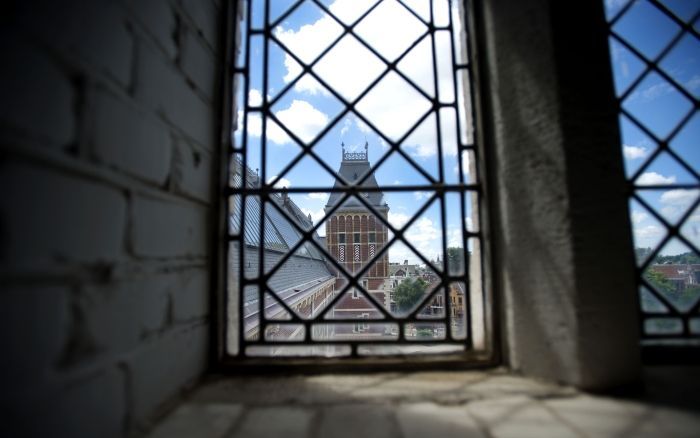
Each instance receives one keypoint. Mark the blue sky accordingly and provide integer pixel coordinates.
(394, 107)
(660, 107)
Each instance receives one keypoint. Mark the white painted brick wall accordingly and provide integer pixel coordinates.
(144, 150)
(188, 302)
(37, 97)
(199, 65)
(104, 234)
(53, 218)
(159, 367)
(120, 314)
(163, 229)
(163, 88)
(89, 33)
(192, 169)
(41, 315)
(157, 18)
(204, 14)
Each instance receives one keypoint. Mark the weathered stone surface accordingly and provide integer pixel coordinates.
(428, 419)
(363, 420)
(209, 420)
(286, 421)
(598, 416)
(518, 416)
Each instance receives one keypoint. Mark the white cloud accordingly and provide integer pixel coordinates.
(693, 83)
(634, 152)
(421, 195)
(362, 126)
(319, 196)
(282, 183)
(397, 219)
(254, 97)
(679, 197)
(302, 118)
(393, 106)
(316, 217)
(648, 232)
(346, 127)
(454, 237)
(653, 178)
(638, 217)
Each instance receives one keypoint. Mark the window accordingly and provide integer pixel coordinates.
(345, 129)
(654, 47)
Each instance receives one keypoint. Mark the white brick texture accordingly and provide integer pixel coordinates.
(128, 140)
(168, 229)
(50, 218)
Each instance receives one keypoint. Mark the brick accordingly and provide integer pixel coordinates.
(160, 368)
(50, 218)
(351, 421)
(291, 422)
(64, 26)
(130, 141)
(190, 294)
(206, 19)
(428, 419)
(168, 229)
(91, 406)
(158, 19)
(37, 320)
(160, 86)
(204, 420)
(199, 65)
(37, 97)
(120, 314)
(192, 170)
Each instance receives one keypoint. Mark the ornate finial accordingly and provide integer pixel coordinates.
(342, 144)
(366, 145)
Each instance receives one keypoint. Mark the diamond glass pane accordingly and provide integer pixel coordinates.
(351, 231)
(655, 62)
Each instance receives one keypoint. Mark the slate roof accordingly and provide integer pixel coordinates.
(302, 273)
(352, 168)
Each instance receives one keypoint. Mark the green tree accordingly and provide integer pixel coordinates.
(455, 260)
(409, 292)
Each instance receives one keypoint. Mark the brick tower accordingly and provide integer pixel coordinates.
(354, 235)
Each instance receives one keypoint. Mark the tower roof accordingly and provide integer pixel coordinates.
(353, 167)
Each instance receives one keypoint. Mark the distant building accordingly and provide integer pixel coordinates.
(680, 275)
(354, 235)
(303, 282)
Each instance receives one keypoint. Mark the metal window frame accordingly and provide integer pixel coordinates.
(651, 352)
(470, 358)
